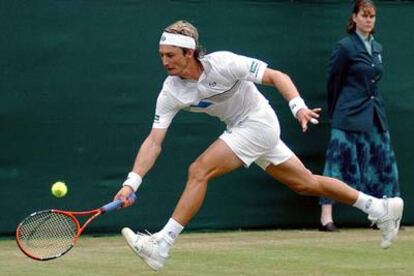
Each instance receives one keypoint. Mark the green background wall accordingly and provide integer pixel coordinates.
(79, 80)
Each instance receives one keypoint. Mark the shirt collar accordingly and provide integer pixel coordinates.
(365, 38)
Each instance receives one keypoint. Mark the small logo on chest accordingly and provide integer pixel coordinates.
(212, 84)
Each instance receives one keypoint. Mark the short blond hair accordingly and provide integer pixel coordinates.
(184, 27)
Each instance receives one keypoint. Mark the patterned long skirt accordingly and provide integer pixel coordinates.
(363, 160)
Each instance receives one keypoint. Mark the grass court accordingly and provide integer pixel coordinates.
(276, 252)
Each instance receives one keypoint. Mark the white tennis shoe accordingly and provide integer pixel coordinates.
(389, 224)
(146, 247)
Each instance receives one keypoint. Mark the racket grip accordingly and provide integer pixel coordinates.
(115, 204)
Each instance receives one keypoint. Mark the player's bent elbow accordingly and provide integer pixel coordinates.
(279, 75)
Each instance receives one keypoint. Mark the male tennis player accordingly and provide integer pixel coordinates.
(221, 84)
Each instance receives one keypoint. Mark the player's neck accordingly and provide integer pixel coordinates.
(193, 70)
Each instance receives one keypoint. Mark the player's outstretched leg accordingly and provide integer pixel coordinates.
(386, 213)
(147, 247)
(389, 223)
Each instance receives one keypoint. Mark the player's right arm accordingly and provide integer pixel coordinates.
(166, 108)
(144, 161)
(149, 151)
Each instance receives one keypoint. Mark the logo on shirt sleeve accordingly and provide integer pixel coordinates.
(254, 67)
(156, 118)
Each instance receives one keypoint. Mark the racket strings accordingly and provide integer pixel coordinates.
(47, 234)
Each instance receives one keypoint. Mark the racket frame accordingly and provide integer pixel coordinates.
(114, 205)
(72, 216)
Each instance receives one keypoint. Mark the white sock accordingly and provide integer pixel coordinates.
(169, 233)
(370, 205)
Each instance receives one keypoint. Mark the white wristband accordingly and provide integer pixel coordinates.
(134, 180)
(296, 104)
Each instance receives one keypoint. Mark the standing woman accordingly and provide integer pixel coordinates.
(359, 151)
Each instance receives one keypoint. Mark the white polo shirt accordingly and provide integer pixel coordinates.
(225, 90)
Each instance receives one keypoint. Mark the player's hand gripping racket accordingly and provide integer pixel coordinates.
(49, 234)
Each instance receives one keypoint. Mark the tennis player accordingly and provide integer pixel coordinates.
(222, 84)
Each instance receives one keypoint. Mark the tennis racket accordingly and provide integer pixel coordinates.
(49, 234)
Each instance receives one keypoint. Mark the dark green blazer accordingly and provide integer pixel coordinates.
(354, 102)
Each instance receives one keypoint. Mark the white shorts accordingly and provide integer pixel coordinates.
(257, 139)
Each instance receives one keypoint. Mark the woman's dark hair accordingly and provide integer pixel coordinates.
(358, 5)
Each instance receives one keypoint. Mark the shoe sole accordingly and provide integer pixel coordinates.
(153, 264)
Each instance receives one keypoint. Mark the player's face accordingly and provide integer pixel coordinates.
(174, 60)
(365, 20)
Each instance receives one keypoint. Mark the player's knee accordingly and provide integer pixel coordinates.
(307, 186)
(197, 172)
(301, 188)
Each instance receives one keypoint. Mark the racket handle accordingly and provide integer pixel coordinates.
(115, 204)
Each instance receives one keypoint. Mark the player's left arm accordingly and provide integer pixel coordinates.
(288, 90)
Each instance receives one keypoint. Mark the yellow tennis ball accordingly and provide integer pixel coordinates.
(59, 189)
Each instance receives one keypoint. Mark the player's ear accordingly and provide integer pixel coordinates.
(189, 53)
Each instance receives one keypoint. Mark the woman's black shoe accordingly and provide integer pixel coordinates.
(329, 227)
